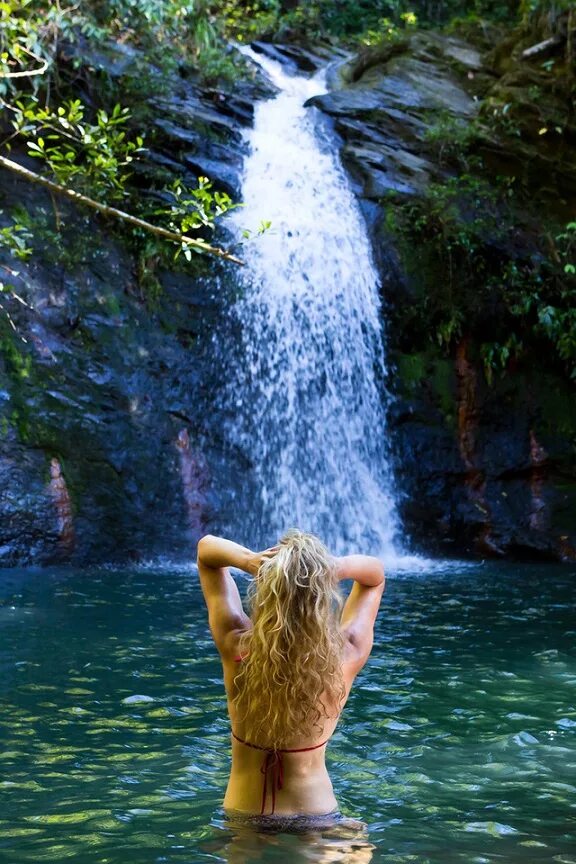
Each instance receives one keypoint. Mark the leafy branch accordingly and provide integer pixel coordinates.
(88, 159)
(185, 242)
(75, 150)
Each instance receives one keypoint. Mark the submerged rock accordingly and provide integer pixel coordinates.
(137, 699)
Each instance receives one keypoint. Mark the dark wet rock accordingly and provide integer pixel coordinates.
(28, 529)
(202, 132)
(114, 58)
(494, 476)
(91, 468)
(195, 112)
(296, 57)
(225, 175)
(383, 106)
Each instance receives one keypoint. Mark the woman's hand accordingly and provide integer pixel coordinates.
(256, 559)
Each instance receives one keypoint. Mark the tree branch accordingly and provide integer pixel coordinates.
(26, 74)
(181, 239)
(534, 50)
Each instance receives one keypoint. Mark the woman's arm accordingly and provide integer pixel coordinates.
(219, 552)
(225, 612)
(226, 615)
(364, 569)
(361, 607)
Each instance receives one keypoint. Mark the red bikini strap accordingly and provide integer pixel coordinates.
(279, 749)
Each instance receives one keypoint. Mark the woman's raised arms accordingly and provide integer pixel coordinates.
(227, 616)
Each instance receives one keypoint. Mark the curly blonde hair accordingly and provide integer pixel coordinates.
(291, 674)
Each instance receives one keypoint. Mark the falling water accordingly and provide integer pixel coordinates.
(307, 386)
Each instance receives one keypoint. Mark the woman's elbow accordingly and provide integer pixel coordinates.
(203, 542)
(379, 574)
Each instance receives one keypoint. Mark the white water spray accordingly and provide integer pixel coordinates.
(306, 389)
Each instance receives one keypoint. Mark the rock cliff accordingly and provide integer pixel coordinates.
(107, 441)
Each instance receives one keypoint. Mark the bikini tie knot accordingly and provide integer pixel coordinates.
(272, 762)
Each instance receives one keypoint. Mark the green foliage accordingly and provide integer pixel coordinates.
(567, 248)
(549, 304)
(265, 225)
(496, 355)
(519, 118)
(30, 34)
(53, 243)
(195, 30)
(388, 30)
(14, 238)
(450, 137)
(251, 20)
(91, 150)
(187, 25)
(375, 20)
(527, 8)
(449, 329)
(365, 22)
(85, 156)
(192, 209)
(463, 277)
(459, 214)
(539, 304)
(148, 259)
(17, 361)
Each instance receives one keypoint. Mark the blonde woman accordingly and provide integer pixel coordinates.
(288, 669)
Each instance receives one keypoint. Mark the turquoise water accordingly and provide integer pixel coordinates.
(458, 744)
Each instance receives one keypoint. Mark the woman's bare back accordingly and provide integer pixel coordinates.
(291, 779)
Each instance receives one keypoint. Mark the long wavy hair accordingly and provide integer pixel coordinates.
(291, 675)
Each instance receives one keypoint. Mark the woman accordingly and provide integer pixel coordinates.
(288, 669)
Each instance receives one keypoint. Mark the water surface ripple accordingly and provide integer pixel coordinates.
(458, 744)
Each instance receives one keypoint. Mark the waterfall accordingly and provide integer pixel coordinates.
(305, 389)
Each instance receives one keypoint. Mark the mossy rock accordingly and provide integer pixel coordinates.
(376, 55)
(430, 376)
